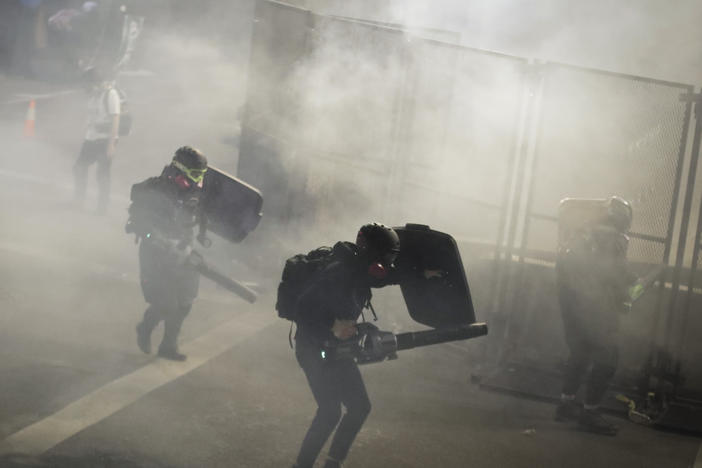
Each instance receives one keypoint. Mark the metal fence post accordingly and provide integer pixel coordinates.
(684, 225)
(675, 355)
(534, 82)
(648, 366)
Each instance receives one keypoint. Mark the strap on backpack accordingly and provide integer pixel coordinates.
(369, 305)
(290, 335)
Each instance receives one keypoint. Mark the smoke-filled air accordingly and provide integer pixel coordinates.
(359, 233)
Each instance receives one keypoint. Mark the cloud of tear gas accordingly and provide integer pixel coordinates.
(383, 124)
(192, 96)
(71, 292)
(648, 38)
(357, 84)
(371, 122)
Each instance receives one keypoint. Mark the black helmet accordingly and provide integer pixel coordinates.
(619, 213)
(190, 157)
(378, 243)
(191, 162)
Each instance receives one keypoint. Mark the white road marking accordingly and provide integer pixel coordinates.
(41, 436)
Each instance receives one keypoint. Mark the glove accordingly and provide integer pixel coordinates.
(344, 329)
(636, 291)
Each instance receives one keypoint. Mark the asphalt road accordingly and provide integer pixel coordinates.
(76, 392)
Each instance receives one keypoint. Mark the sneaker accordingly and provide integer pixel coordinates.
(568, 410)
(593, 421)
(143, 338)
(171, 354)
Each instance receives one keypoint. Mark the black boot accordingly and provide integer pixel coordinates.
(592, 421)
(144, 329)
(171, 330)
(143, 338)
(568, 410)
(171, 353)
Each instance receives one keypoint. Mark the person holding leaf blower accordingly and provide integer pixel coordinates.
(163, 215)
(324, 293)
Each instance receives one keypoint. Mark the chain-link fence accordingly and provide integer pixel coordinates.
(349, 121)
(689, 324)
(457, 154)
(603, 134)
(407, 129)
(598, 134)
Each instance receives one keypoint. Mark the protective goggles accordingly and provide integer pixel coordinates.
(196, 175)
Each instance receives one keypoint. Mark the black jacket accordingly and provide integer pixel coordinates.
(161, 212)
(158, 205)
(341, 291)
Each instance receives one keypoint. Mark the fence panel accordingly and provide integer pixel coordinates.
(600, 134)
(461, 137)
(603, 134)
(690, 328)
(279, 41)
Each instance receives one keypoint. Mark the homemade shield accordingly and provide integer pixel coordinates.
(232, 207)
(432, 278)
(575, 214)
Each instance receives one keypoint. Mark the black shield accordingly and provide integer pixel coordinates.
(432, 278)
(232, 207)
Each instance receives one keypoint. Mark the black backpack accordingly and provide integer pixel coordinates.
(298, 274)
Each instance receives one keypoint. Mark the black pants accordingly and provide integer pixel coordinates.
(93, 151)
(332, 383)
(172, 322)
(170, 290)
(591, 332)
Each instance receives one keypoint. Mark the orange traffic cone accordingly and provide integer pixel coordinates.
(29, 120)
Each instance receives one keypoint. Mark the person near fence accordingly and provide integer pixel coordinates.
(593, 280)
